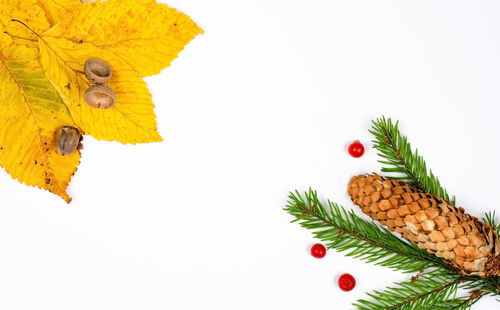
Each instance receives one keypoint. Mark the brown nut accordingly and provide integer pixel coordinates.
(97, 71)
(100, 97)
(68, 139)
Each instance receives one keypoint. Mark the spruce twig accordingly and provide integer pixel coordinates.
(344, 231)
(398, 157)
(431, 291)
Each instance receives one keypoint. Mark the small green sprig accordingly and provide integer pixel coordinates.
(400, 160)
(436, 288)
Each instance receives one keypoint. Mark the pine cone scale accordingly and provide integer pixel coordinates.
(430, 222)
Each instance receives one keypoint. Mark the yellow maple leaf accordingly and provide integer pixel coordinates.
(44, 45)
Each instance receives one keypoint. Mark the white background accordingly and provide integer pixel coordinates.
(264, 102)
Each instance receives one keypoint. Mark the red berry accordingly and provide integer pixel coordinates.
(346, 282)
(318, 250)
(356, 149)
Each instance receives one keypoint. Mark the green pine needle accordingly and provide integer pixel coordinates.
(433, 290)
(398, 158)
(344, 231)
(465, 303)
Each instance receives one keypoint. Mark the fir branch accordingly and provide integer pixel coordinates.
(398, 157)
(344, 231)
(431, 291)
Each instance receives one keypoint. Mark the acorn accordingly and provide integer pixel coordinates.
(68, 139)
(100, 97)
(97, 71)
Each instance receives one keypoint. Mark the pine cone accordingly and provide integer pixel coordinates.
(430, 222)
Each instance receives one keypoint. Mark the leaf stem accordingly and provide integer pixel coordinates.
(18, 37)
(28, 27)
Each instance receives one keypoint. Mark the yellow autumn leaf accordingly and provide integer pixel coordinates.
(131, 120)
(143, 33)
(31, 112)
(44, 45)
